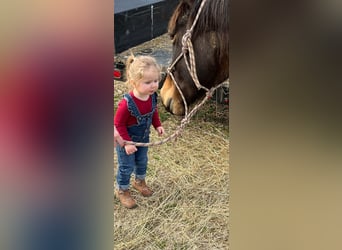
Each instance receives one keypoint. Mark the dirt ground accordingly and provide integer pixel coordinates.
(190, 178)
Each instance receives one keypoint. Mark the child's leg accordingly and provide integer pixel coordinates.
(140, 172)
(141, 163)
(125, 168)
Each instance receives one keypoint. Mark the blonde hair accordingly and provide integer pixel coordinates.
(135, 67)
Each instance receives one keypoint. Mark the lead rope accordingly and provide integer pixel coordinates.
(186, 46)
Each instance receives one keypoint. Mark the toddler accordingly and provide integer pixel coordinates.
(135, 114)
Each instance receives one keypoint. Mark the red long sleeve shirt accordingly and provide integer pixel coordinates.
(123, 117)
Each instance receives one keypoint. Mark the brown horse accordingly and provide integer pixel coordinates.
(209, 38)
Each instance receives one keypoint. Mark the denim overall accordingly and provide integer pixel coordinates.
(140, 132)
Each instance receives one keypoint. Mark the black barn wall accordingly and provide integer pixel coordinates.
(140, 24)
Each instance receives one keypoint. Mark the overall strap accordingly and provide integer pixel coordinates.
(132, 107)
(154, 102)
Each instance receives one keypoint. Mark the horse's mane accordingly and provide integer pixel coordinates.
(214, 17)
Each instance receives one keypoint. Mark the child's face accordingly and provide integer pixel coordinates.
(149, 83)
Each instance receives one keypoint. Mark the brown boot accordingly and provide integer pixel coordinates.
(141, 186)
(125, 198)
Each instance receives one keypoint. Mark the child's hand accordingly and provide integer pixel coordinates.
(130, 149)
(160, 130)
